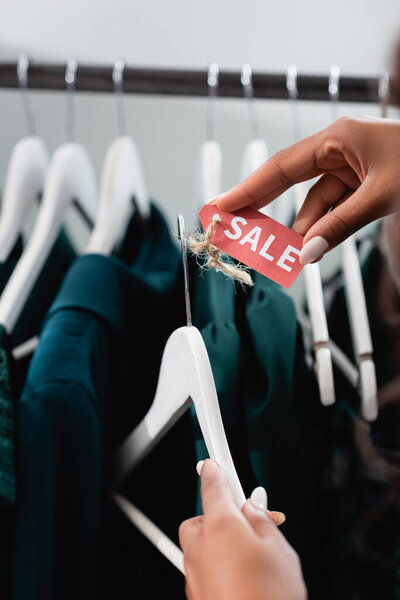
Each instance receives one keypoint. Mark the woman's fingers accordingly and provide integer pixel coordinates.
(278, 517)
(259, 519)
(353, 211)
(216, 495)
(319, 200)
(284, 169)
(187, 530)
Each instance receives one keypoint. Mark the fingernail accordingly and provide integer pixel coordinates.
(215, 200)
(259, 498)
(312, 250)
(280, 517)
(199, 466)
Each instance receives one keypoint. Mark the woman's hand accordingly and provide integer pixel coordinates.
(358, 160)
(236, 555)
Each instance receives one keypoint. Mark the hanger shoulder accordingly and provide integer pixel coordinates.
(319, 325)
(210, 172)
(122, 180)
(254, 155)
(185, 376)
(360, 329)
(163, 543)
(70, 176)
(24, 183)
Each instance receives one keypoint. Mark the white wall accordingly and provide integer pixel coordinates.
(313, 34)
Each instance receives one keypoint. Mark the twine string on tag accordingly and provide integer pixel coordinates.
(200, 245)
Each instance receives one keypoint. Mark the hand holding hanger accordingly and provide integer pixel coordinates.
(185, 377)
(225, 545)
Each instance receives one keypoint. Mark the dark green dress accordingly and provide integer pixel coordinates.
(91, 380)
(265, 392)
(12, 378)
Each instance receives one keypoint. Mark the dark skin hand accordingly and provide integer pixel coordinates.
(357, 160)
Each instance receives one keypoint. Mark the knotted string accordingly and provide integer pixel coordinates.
(200, 245)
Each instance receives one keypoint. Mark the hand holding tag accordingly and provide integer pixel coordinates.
(257, 241)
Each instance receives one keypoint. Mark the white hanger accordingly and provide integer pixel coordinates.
(185, 377)
(152, 532)
(26, 173)
(24, 183)
(70, 179)
(122, 180)
(312, 276)
(209, 179)
(256, 152)
(254, 155)
(319, 325)
(355, 300)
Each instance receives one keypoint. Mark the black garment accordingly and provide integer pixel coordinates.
(362, 471)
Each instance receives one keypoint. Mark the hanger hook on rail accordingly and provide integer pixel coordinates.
(384, 93)
(293, 93)
(118, 79)
(334, 91)
(246, 79)
(212, 83)
(22, 77)
(182, 237)
(70, 85)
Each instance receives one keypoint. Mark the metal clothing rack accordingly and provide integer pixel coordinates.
(188, 82)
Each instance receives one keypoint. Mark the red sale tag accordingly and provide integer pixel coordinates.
(257, 241)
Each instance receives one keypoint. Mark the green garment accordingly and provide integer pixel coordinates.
(12, 378)
(91, 380)
(26, 327)
(7, 480)
(265, 393)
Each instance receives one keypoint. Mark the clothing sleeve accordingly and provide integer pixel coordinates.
(59, 478)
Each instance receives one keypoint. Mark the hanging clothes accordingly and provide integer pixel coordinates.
(92, 379)
(12, 378)
(265, 393)
(362, 472)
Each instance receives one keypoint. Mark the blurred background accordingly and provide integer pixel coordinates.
(358, 36)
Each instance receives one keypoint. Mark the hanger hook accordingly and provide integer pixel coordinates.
(212, 83)
(182, 237)
(118, 79)
(70, 85)
(293, 93)
(291, 82)
(22, 76)
(384, 93)
(246, 79)
(334, 90)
